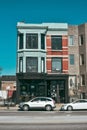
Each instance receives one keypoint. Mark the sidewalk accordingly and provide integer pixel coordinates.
(15, 108)
(10, 108)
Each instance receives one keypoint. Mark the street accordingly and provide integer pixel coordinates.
(43, 120)
(44, 127)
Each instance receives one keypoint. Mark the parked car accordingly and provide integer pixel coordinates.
(38, 103)
(80, 104)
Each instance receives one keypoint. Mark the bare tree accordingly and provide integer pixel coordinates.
(1, 70)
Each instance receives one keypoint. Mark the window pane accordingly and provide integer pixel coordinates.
(31, 64)
(82, 59)
(56, 42)
(42, 64)
(20, 41)
(42, 41)
(71, 40)
(56, 64)
(32, 41)
(82, 79)
(21, 64)
(23, 90)
(81, 40)
(71, 59)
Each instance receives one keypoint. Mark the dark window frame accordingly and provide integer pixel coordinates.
(55, 68)
(20, 35)
(31, 41)
(81, 39)
(30, 64)
(56, 42)
(42, 41)
(82, 59)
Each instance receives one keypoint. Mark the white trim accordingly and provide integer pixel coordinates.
(48, 59)
(65, 59)
(48, 46)
(65, 56)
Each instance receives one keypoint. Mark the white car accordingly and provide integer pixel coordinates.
(80, 104)
(38, 103)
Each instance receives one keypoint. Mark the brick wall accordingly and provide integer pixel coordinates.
(61, 53)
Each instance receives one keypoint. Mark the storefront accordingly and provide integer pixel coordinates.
(33, 85)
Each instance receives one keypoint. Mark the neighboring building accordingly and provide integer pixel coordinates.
(51, 61)
(73, 51)
(8, 83)
(82, 35)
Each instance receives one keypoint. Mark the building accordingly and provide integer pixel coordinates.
(73, 51)
(8, 85)
(51, 61)
(82, 86)
(77, 46)
(38, 54)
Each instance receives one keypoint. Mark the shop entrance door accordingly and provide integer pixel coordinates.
(57, 91)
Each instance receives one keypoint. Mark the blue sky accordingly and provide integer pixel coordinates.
(33, 11)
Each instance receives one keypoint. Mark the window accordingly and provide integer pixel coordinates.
(81, 40)
(20, 41)
(32, 41)
(21, 64)
(42, 41)
(71, 59)
(82, 59)
(42, 64)
(36, 100)
(56, 64)
(31, 64)
(71, 40)
(23, 90)
(82, 79)
(56, 42)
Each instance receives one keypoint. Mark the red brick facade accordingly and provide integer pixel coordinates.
(57, 53)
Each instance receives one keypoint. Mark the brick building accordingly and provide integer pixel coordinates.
(48, 61)
(8, 81)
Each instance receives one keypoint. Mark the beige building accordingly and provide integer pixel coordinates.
(77, 46)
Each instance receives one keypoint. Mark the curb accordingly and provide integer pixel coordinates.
(16, 108)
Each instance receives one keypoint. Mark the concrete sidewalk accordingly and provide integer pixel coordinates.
(16, 108)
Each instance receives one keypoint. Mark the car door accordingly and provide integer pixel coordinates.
(36, 103)
(83, 104)
(80, 104)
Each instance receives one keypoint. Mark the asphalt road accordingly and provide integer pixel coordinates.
(44, 127)
(42, 113)
(42, 117)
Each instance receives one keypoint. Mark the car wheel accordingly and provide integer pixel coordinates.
(48, 108)
(69, 108)
(25, 107)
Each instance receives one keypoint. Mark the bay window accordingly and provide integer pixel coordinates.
(31, 64)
